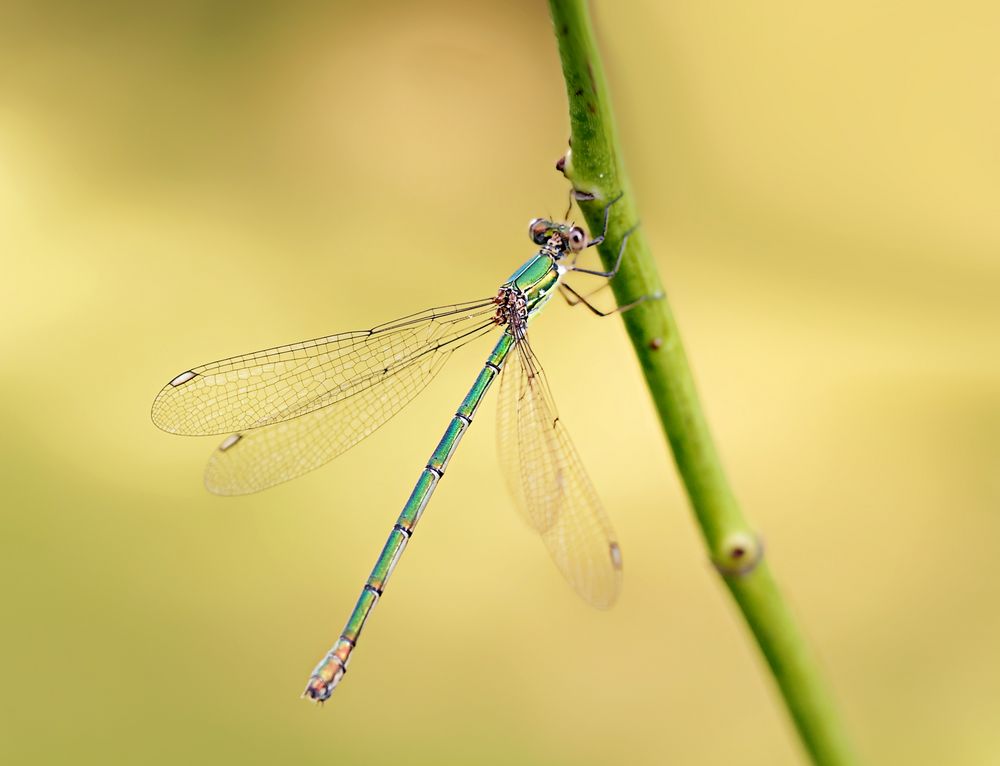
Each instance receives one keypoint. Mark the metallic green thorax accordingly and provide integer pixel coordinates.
(536, 279)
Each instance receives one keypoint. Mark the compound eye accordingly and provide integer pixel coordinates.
(577, 239)
(538, 230)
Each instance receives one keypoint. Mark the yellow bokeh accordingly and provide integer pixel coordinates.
(185, 181)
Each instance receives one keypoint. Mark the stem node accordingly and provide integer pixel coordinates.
(739, 554)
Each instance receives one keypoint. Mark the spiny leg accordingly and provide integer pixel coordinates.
(609, 275)
(580, 196)
(574, 299)
(621, 252)
(569, 207)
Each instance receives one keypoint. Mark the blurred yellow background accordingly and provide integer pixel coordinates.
(184, 181)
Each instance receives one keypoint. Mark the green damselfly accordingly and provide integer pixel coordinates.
(290, 409)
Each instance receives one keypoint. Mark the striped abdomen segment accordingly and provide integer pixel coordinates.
(331, 669)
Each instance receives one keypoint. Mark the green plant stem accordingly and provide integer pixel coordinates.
(594, 166)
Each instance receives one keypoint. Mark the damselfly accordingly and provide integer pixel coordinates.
(291, 409)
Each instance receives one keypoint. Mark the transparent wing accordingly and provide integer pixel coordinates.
(278, 384)
(252, 461)
(549, 483)
(521, 413)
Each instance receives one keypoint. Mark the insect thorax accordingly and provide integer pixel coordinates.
(512, 309)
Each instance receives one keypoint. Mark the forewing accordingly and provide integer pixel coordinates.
(550, 485)
(278, 384)
(261, 458)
